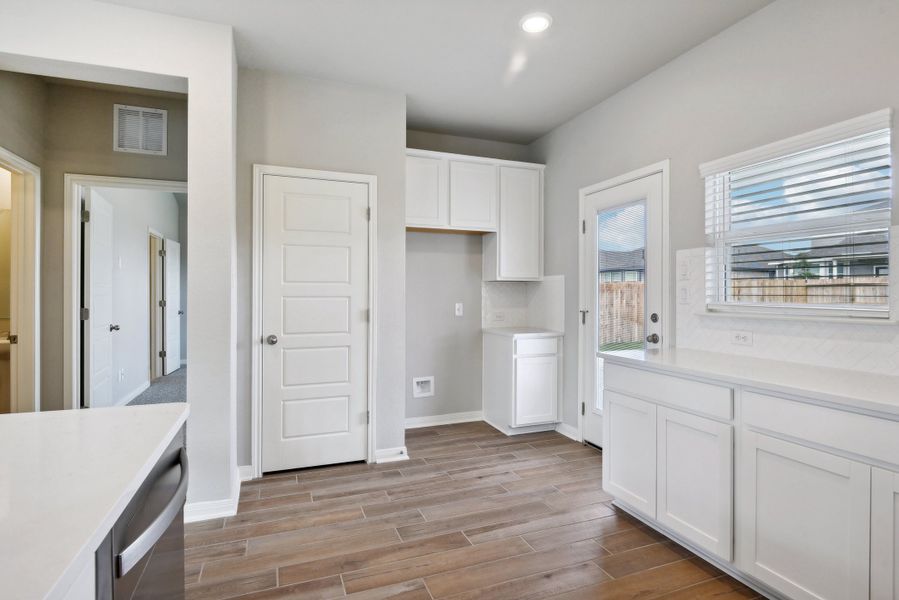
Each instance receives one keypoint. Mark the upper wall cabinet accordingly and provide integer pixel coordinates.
(502, 199)
(472, 192)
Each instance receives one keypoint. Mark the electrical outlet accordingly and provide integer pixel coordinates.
(683, 294)
(499, 317)
(121, 375)
(741, 338)
(460, 309)
(683, 269)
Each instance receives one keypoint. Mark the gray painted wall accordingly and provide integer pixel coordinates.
(23, 104)
(821, 61)
(442, 269)
(441, 142)
(300, 122)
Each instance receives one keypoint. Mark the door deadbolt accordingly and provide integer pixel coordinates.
(114, 327)
(654, 318)
(271, 340)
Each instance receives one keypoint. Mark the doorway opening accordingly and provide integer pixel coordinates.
(129, 291)
(19, 299)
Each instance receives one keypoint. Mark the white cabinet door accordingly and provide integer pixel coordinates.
(427, 203)
(473, 192)
(805, 530)
(520, 237)
(695, 479)
(536, 389)
(629, 453)
(884, 535)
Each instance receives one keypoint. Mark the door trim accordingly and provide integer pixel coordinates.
(25, 303)
(71, 334)
(663, 167)
(259, 173)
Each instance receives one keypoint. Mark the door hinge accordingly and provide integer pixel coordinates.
(368, 213)
(367, 315)
(162, 354)
(85, 216)
(85, 314)
(368, 417)
(162, 304)
(583, 408)
(13, 338)
(162, 253)
(584, 226)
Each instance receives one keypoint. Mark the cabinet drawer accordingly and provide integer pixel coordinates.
(531, 347)
(696, 396)
(859, 434)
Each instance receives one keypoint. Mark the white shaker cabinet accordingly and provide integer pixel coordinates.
(629, 451)
(807, 520)
(521, 379)
(473, 191)
(427, 203)
(695, 479)
(884, 535)
(515, 252)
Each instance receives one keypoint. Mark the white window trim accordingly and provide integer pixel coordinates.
(875, 121)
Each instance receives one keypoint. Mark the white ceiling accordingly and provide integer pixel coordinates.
(456, 59)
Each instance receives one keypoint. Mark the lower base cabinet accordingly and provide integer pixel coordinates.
(695, 479)
(629, 457)
(807, 520)
(884, 535)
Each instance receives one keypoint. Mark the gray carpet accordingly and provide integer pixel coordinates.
(169, 388)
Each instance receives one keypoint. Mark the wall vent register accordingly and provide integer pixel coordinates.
(140, 130)
(802, 226)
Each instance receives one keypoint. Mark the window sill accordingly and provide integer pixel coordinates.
(772, 313)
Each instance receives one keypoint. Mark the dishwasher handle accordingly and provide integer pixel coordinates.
(145, 542)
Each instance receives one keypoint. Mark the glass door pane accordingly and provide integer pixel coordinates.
(621, 292)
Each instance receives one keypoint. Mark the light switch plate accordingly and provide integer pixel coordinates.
(683, 294)
(460, 309)
(740, 337)
(683, 269)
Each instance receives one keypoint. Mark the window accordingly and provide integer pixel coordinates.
(803, 226)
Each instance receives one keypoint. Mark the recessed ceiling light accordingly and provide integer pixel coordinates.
(536, 22)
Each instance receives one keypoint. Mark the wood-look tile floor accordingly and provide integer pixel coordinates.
(472, 514)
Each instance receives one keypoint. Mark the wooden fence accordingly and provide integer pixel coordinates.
(855, 290)
(621, 306)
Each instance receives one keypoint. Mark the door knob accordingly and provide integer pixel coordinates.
(114, 327)
(271, 340)
(653, 339)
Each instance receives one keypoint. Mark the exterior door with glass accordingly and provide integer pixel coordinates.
(621, 286)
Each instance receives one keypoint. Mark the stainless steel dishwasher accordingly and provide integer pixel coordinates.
(143, 555)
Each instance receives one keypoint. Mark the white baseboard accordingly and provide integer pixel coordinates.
(569, 431)
(215, 509)
(246, 472)
(448, 419)
(133, 394)
(386, 455)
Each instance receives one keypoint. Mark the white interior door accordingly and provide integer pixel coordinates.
(621, 282)
(315, 322)
(97, 364)
(172, 292)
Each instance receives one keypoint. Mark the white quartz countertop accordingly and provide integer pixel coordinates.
(852, 389)
(65, 478)
(523, 332)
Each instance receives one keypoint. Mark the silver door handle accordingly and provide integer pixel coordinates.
(145, 542)
(271, 340)
(114, 327)
(653, 339)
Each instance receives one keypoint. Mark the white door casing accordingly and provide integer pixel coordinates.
(97, 355)
(315, 300)
(648, 188)
(172, 286)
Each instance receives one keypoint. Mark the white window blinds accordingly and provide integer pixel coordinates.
(805, 230)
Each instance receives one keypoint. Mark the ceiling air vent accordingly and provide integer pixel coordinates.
(140, 130)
